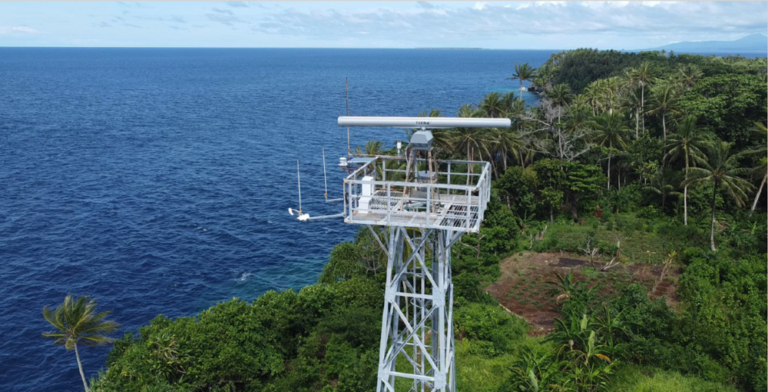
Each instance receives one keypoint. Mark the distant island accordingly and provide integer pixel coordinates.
(755, 43)
(450, 48)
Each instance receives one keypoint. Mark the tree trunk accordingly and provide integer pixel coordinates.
(664, 125)
(575, 208)
(504, 161)
(712, 229)
(642, 103)
(469, 166)
(759, 192)
(551, 214)
(685, 204)
(685, 191)
(637, 123)
(80, 367)
(609, 171)
(618, 180)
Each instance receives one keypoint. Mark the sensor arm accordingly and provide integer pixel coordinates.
(423, 122)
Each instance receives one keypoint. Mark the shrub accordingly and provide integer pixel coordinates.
(489, 324)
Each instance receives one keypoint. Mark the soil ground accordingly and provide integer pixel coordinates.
(522, 287)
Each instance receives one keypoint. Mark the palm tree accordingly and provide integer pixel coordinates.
(507, 141)
(632, 103)
(690, 142)
(508, 103)
(591, 96)
(78, 322)
(664, 102)
(761, 170)
(560, 96)
(579, 116)
(611, 133)
(723, 172)
(643, 75)
(664, 184)
(689, 75)
(471, 139)
(493, 105)
(371, 148)
(611, 90)
(523, 72)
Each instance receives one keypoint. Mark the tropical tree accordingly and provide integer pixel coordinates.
(611, 132)
(761, 170)
(591, 97)
(77, 322)
(611, 92)
(493, 105)
(631, 101)
(507, 141)
(509, 102)
(723, 172)
(689, 142)
(471, 140)
(371, 148)
(643, 75)
(523, 72)
(664, 102)
(665, 184)
(561, 96)
(689, 75)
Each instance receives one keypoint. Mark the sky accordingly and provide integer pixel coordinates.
(377, 24)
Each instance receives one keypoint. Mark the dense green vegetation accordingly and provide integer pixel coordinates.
(659, 159)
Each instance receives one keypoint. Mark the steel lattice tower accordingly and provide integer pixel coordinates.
(426, 208)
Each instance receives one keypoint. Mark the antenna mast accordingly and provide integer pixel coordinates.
(298, 175)
(325, 177)
(349, 150)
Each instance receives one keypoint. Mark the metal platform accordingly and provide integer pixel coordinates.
(378, 193)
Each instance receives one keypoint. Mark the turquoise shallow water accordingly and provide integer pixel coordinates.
(157, 180)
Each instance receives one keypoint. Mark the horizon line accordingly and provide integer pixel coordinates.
(731, 53)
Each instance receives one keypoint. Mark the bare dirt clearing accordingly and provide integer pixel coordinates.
(522, 287)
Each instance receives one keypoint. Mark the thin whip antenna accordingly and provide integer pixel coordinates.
(349, 150)
(325, 177)
(298, 175)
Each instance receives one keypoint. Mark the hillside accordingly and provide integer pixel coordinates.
(623, 249)
(754, 43)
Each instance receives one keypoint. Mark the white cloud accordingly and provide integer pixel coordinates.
(555, 22)
(17, 30)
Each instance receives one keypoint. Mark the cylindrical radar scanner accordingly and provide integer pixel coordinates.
(424, 122)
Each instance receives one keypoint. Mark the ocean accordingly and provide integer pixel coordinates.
(158, 180)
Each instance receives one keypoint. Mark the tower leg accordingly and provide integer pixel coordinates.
(416, 352)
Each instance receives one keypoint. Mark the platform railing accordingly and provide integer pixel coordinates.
(387, 199)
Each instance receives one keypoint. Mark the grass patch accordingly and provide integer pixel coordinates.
(642, 379)
(642, 240)
(590, 272)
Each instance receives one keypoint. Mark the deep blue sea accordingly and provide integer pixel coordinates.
(158, 180)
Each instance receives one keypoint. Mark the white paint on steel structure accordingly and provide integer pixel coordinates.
(424, 122)
(422, 216)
